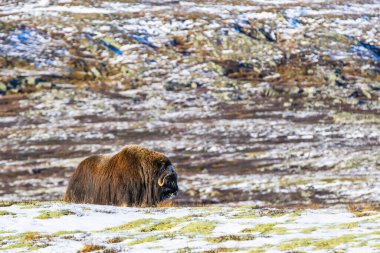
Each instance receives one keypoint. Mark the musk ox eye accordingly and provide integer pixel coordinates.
(171, 168)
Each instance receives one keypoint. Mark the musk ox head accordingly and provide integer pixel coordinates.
(167, 182)
(135, 176)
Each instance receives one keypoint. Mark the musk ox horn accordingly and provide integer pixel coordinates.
(161, 183)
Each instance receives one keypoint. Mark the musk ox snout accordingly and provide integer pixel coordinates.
(135, 176)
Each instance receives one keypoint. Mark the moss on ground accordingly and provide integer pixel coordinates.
(199, 227)
(308, 230)
(165, 224)
(53, 214)
(349, 225)
(225, 238)
(18, 245)
(296, 243)
(30, 240)
(143, 240)
(261, 249)
(59, 233)
(332, 243)
(269, 228)
(2, 212)
(317, 244)
(130, 225)
(222, 249)
(29, 204)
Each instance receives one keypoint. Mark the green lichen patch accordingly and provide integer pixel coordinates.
(269, 228)
(218, 250)
(308, 230)
(130, 225)
(6, 203)
(359, 214)
(349, 225)
(356, 118)
(143, 240)
(2, 213)
(199, 227)
(332, 243)
(53, 214)
(18, 245)
(261, 249)
(165, 224)
(296, 243)
(30, 240)
(60, 233)
(225, 238)
(37, 247)
(29, 204)
(246, 213)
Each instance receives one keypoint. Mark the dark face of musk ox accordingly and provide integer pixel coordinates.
(167, 181)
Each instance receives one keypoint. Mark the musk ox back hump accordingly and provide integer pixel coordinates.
(135, 176)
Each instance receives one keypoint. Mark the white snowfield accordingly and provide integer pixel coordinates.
(61, 227)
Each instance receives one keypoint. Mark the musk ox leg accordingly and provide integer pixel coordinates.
(81, 184)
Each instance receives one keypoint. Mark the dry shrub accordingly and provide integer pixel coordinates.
(166, 204)
(90, 248)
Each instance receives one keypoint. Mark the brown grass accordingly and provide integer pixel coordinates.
(90, 248)
(357, 207)
(167, 204)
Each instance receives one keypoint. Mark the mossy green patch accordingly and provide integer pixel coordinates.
(331, 243)
(261, 249)
(217, 250)
(308, 230)
(295, 243)
(29, 204)
(18, 245)
(31, 240)
(364, 213)
(225, 238)
(2, 212)
(350, 225)
(59, 233)
(6, 203)
(53, 214)
(357, 118)
(199, 227)
(130, 225)
(37, 247)
(165, 224)
(246, 213)
(269, 228)
(143, 240)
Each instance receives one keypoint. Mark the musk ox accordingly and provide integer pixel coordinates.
(135, 176)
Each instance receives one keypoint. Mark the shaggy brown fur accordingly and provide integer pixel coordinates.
(135, 176)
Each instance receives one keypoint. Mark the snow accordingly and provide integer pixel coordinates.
(92, 222)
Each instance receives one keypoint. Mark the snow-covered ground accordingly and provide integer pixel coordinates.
(60, 227)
